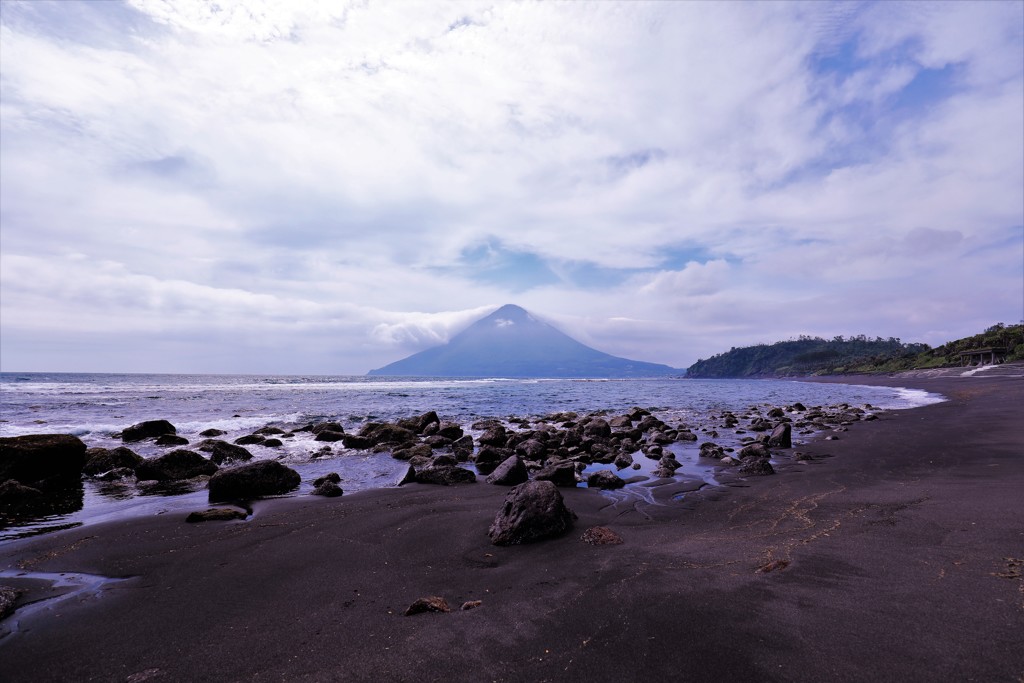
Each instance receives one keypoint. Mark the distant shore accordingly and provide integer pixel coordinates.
(895, 552)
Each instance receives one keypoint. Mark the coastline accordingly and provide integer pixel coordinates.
(879, 558)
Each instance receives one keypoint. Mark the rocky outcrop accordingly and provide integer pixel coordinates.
(433, 603)
(263, 478)
(532, 511)
(383, 433)
(174, 466)
(149, 429)
(757, 467)
(755, 450)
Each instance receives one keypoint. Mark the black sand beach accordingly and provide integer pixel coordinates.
(896, 553)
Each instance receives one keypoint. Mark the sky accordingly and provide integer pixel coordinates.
(324, 188)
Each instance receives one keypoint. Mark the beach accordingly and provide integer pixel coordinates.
(892, 553)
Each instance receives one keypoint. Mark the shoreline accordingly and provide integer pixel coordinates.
(880, 558)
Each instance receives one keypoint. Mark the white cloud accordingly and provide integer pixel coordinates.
(314, 173)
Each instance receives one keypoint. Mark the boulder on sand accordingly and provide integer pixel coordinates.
(781, 436)
(147, 430)
(532, 512)
(757, 467)
(445, 475)
(263, 478)
(560, 473)
(223, 452)
(605, 479)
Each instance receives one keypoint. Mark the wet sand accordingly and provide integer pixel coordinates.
(893, 555)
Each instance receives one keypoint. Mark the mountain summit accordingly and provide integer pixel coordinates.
(512, 343)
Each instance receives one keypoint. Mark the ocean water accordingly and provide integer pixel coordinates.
(95, 406)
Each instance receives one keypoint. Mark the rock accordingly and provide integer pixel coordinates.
(759, 466)
(42, 460)
(223, 452)
(532, 449)
(359, 443)
(408, 477)
(782, 436)
(209, 433)
(463, 447)
(685, 435)
(605, 479)
(433, 603)
(171, 440)
(263, 478)
(16, 497)
(445, 475)
(471, 604)
(776, 412)
(270, 431)
(494, 436)
(273, 443)
(328, 489)
(250, 440)
(450, 430)
(489, 457)
(330, 435)
(437, 442)
(100, 460)
(8, 598)
(755, 450)
(419, 450)
(419, 424)
(381, 433)
(445, 459)
(798, 408)
(600, 535)
(511, 472)
(147, 430)
(532, 512)
(621, 422)
(174, 466)
(333, 476)
(597, 428)
(215, 515)
(623, 460)
(559, 473)
(327, 427)
(729, 461)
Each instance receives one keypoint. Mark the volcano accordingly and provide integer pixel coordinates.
(512, 343)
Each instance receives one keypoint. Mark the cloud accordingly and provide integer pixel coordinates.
(350, 182)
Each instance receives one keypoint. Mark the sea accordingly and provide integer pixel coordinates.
(95, 407)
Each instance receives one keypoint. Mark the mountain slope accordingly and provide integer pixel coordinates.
(512, 343)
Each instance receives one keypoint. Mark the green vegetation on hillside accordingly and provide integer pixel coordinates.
(860, 354)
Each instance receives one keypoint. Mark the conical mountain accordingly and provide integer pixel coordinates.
(512, 343)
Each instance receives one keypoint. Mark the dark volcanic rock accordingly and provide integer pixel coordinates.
(209, 433)
(450, 430)
(42, 460)
(605, 479)
(494, 436)
(147, 430)
(333, 476)
(215, 515)
(782, 436)
(250, 440)
(327, 427)
(100, 460)
(16, 497)
(330, 435)
(532, 511)
(597, 427)
(328, 489)
(263, 478)
(760, 466)
(273, 443)
(445, 475)
(179, 464)
(382, 432)
(511, 472)
(359, 443)
(559, 473)
(420, 423)
(223, 452)
(710, 449)
(755, 450)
